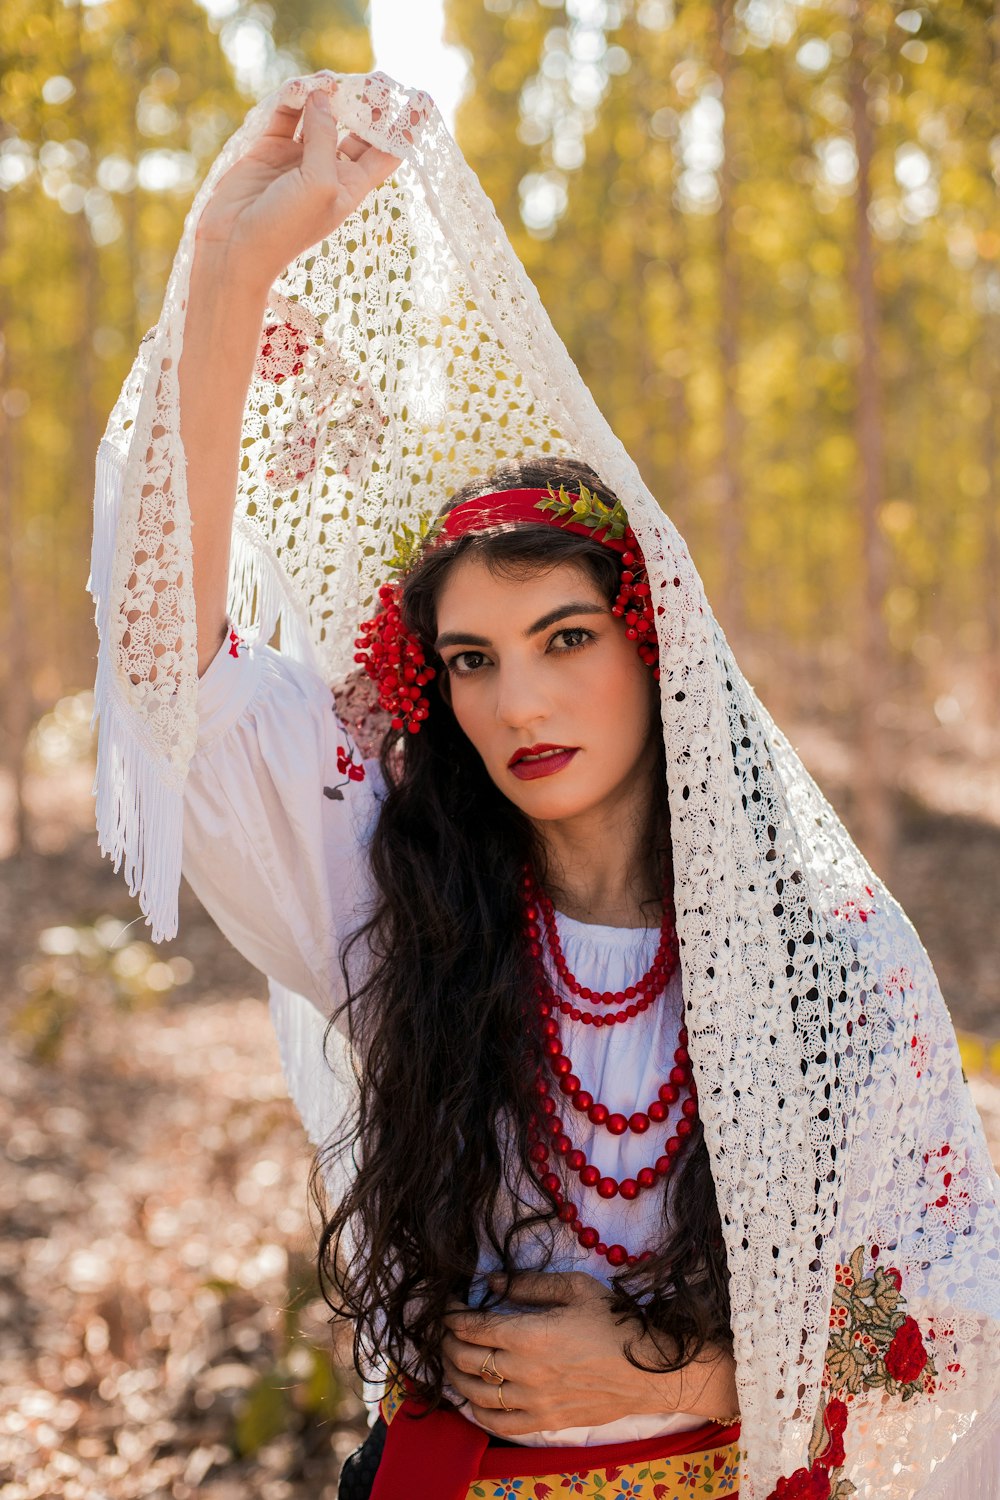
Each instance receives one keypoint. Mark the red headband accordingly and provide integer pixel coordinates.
(394, 658)
(516, 507)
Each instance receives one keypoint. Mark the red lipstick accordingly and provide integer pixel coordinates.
(532, 761)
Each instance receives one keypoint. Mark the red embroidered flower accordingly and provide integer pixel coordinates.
(804, 1484)
(906, 1356)
(280, 353)
(835, 1422)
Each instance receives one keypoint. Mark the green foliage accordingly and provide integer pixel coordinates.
(408, 543)
(587, 509)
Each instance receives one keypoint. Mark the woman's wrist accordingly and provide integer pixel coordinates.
(218, 268)
(705, 1387)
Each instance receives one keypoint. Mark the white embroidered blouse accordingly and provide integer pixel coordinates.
(281, 866)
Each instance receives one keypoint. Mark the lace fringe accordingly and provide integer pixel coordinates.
(260, 597)
(316, 1066)
(972, 1469)
(139, 814)
(108, 480)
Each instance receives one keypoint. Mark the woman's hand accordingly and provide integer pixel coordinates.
(284, 195)
(563, 1363)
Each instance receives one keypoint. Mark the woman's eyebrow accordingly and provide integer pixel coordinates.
(563, 612)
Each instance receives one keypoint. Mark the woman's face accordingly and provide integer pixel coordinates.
(545, 684)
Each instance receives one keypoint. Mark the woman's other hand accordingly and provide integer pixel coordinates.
(284, 195)
(564, 1365)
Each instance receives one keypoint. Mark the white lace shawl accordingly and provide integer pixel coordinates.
(846, 1152)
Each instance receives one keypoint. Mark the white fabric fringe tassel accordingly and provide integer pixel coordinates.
(140, 815)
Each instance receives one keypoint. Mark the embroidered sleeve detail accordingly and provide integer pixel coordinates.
(350, 768)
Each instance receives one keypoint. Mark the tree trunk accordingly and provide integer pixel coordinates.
(990, 357)
(733, 602)
(873, 780)
(17, 706)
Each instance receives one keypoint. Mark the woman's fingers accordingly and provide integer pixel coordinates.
(284, 121)
(486, 1330)
(352, 146)
(469, 1358)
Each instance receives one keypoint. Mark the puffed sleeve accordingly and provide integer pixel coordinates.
(278, 813)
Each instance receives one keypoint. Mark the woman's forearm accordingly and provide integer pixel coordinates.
(706, 1387)
(222, 325)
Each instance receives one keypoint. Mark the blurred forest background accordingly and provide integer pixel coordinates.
(768, 233)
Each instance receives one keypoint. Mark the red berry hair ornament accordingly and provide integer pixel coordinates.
(393, 657)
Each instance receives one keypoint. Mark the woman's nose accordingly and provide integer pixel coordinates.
(521, 697)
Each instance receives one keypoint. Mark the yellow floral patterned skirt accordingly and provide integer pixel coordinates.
(702, 1464)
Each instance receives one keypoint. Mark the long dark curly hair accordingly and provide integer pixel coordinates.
(436, 984)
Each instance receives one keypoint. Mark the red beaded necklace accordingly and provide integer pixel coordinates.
(546, 1133)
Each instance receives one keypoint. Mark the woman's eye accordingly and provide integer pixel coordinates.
(466, 662)
(573, 637)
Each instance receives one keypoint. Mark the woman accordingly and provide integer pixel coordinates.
(719, 1119)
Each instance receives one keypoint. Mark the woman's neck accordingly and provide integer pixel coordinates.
(597, 864)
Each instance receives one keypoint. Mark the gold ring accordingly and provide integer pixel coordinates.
(500, 1395)
(488, 1369)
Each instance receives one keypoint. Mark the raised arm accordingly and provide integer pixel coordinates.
(276, 201)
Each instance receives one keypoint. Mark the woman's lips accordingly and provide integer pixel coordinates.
(542, 763)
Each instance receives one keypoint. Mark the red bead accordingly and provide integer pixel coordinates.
(607, 1187)
(629, 1188)
(638, 1123)
(563, 1145)
(587, 1019)
(550, 1182)
(575, 1014)
(674, 1145)
(589, 1238)
(538, 1153)
(617, 1255)
(569, 1084)
(601, 1248)
(678, 1075)
(550, 1028)
(576, 1159)
(689, 1108)
(582, 1100)
(684, 1128)
(562, 1064)
(548, 1105)
(668, 1093)
(646, 1177)
(590, 1176)
(617, 1124)
(598, 1114)
(681, 1055)
(633, 1260)
(663, 1165)
(568, 1212)
(657, 1111)
(555, 1125)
